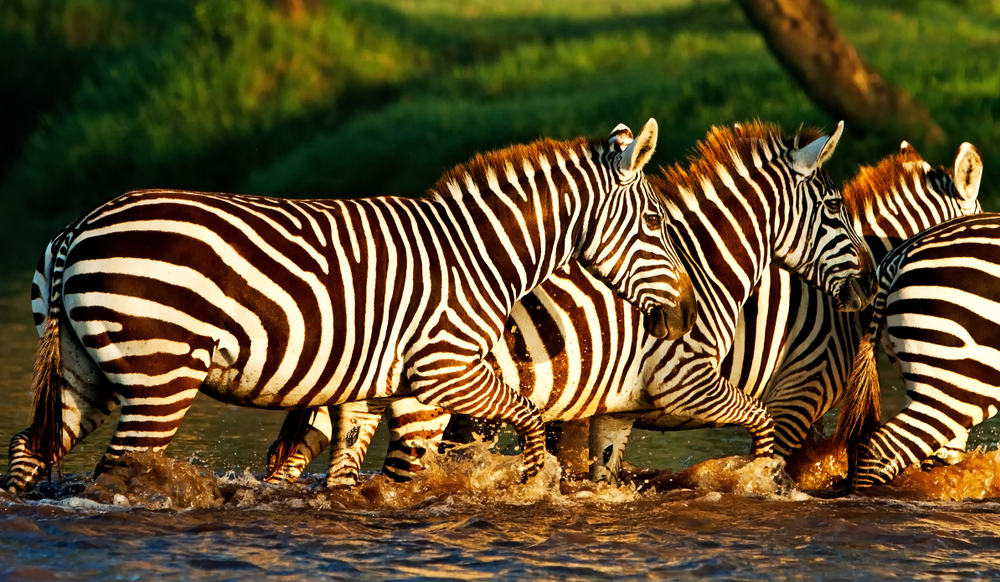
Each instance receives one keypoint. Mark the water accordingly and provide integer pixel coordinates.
(201, 514)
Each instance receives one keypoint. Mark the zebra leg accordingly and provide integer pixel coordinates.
(82, 413)
(87, 401)
(951, 453)
(353, 425)
(413, 429)
(475, 390)
(308, 442)
(608, 440)
(715, 400)
(148, 423)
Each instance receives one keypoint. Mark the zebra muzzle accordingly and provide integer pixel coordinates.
(852, 297)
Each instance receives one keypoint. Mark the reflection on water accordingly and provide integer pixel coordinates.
(709, 514)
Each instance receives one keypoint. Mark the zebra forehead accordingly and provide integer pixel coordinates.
(744, 146)
(480, 167)
(872, 184)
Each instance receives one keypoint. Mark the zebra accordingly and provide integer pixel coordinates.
(157, 294)
(794, 349)
(572, 349)
(938, 308)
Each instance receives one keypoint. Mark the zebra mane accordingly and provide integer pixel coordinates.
(751, 144)
(496, 161)
(880, 181)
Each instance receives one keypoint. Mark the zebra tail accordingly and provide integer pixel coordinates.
(862, 409)
(47, 401)
(293, 430)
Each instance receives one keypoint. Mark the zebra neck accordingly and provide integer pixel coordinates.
(726, 244)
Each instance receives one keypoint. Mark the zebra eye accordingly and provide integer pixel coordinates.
(834, 205)
(652, 221)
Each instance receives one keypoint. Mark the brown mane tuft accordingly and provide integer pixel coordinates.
(721, 146)
(881, 180)
(481, 163)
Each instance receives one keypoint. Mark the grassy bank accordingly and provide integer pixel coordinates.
(352, 98)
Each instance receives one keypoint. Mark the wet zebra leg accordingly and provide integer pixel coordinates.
(353, 425)
(303, 436)
(608, 441)
(414, 428)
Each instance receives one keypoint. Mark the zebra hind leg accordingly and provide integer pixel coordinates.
(952, 453)
(303, 436)
(608, 441)
(148, 423)
(86, 406)
(413, 430)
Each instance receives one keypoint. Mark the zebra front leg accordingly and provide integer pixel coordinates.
(712, 399)
(952, 453)
(303, 436)
(85, 406)
(354, 424)
(472, 388)
(413, 429)
(608, 441)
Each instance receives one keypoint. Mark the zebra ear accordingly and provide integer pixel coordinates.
(639, 152)
(811, 157)
(620, 138)
(968, 173)
(906, 148)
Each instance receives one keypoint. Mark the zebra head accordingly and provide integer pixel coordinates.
(627, 246)
(819, 242)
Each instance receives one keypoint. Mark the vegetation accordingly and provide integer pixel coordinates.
(325, 98)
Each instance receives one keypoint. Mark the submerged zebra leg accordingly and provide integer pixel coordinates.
(951, 453)
(303, 436)
(353, 425)
(472, 388)
(413, 430)
(86, 401)
(608, 441)
(148, 423)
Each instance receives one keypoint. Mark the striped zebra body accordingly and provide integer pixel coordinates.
(794, 349)
(286, 304)
(938, 306)
(574, 352)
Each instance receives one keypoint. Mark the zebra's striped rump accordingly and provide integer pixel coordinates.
(294, 304)
(939, 306)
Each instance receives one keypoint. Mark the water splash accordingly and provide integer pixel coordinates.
(737, 475)
(155, 481)
(821, 464)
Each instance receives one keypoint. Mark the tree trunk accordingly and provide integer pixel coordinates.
(805, 39)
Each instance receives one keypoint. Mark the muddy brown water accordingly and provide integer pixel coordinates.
(200, 513)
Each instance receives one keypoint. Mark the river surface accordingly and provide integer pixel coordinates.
(200, 513)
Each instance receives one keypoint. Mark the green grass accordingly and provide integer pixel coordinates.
(363, 98)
